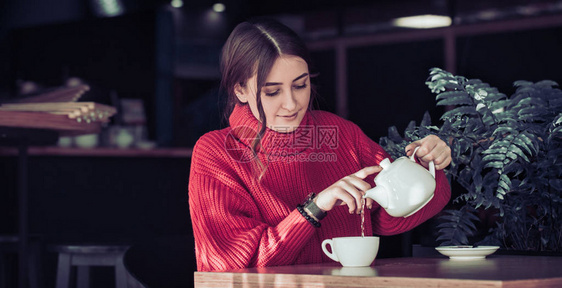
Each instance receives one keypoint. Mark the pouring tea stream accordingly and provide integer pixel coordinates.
(403, 187)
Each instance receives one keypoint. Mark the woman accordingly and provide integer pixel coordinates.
(248, 182)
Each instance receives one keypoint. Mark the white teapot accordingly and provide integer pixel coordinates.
(403, 187)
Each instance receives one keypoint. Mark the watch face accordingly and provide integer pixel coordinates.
(314, 210)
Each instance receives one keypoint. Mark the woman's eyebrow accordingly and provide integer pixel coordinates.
(272, 83)
(303, 75)
(279, 83)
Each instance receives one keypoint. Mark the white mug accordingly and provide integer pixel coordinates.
(352, 251)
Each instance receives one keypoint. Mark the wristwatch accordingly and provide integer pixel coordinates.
(312, 208)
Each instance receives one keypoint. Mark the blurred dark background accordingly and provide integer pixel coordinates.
(370, 72)
(168, 56)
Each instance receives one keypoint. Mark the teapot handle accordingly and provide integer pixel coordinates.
(431, 164)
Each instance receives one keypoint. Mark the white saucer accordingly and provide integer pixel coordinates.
(467, 252)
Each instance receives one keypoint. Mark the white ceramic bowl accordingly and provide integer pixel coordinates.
(86, 141)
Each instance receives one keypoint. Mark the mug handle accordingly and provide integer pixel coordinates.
(431, 164)
(331, 255)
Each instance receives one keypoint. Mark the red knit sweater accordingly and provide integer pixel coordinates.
(240, 221)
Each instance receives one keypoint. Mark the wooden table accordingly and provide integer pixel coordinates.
(495, 271)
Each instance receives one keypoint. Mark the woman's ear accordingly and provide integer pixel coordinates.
(240, 93)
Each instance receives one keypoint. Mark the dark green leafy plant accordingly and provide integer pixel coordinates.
(507, 155)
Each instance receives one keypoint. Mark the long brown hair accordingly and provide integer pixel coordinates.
(252, 48)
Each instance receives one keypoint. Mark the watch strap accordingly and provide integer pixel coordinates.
(313, 208)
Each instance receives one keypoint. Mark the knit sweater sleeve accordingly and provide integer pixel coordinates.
(383, 223)
(229, 229)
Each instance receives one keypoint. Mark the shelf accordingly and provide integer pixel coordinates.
(102, 152)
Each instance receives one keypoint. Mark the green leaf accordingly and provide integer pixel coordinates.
(473, 81)
(504, 130)
(499, 147)
(480, 85)
(497, 97)
(393, 134)
(547, 83)
(520, 83)
(524, 141)
(555, 133)
(454, 94)
(494, 164)
(516, 150)
(454, 100)
(497, 104)
(410, 128)
(505, 182)
(459, 112)
(530, 113)
(456, 226)
(493, 157)
(426, 120)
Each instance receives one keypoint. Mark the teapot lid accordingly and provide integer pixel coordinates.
(385, 163)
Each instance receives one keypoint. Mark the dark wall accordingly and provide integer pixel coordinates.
(108, 197)
(117, 53)
(325, 81)
(386, 85)
(138, 201)
(502, 58)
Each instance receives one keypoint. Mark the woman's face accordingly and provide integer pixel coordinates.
(284, 96)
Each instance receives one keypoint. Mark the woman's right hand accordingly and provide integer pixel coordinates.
(347, 191)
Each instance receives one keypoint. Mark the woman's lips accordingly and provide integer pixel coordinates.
(290, 117)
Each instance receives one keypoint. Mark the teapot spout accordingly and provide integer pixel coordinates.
(379, 194)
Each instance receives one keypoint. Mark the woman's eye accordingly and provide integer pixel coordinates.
(271, 94)
(300, 86)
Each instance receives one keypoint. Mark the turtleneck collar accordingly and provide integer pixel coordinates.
(245, 128)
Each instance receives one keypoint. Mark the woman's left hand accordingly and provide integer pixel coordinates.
(432, 148)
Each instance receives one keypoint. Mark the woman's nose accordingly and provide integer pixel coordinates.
(289, 101)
